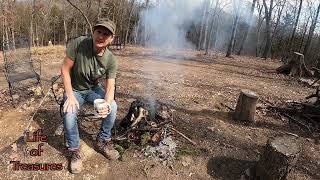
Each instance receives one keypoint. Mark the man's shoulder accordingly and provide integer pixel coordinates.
(80, 39)
(109, 54)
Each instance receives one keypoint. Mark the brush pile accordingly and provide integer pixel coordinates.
(305, 114)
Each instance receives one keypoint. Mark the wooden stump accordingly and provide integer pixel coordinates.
(279, 158)
(246, 106)
(296, 67)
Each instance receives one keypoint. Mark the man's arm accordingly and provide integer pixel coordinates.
(109, 90)
(71, 103)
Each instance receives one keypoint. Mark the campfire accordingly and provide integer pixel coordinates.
(149, 124)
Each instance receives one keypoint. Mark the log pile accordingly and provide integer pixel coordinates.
(304, 114)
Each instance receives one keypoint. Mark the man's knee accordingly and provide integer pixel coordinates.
(114, 107)
(70, 120)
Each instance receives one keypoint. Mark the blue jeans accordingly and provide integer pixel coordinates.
(70, 122)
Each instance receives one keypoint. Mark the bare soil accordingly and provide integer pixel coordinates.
(196, 87)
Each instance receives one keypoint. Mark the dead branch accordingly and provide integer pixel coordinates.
(85, 17)
(230, 108)
(192, 142)
(297, 122)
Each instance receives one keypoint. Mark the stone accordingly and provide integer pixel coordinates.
(15, 96)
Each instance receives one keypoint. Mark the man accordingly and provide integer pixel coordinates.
(88, 59)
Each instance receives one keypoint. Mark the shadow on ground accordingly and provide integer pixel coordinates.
(227, 168)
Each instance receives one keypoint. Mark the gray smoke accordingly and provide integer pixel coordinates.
(166, 23)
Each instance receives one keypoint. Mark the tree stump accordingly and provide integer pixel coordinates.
(246, 106)
(279, 158)
(296, 67)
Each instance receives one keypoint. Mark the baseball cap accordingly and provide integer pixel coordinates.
(107, 23)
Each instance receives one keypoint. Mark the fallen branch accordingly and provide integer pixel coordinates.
(230, 108)
(192, 142)
(297, 122)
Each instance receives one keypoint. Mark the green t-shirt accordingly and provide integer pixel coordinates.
(88, 68)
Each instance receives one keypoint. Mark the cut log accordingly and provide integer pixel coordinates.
(278, 159)
(246, 106)
(296, 67)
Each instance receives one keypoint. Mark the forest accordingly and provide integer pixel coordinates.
(261, 28)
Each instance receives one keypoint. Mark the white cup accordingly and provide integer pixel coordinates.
(100, 104)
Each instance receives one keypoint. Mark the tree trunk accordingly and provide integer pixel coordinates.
(99, 9)
(258, 32)
(246, 31)
(206, 25)
(246, 106)
(202, 25)
(275, 30)
(130, 16)
(278, 159)
(31, 23)
(295, 27)
(304, 34)
(268, 13)
(145, 25)
(234, 28)
(311, 32)
(211, 27)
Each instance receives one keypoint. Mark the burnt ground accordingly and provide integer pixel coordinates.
(196, 88)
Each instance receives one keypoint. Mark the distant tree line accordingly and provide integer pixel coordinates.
(262, 28)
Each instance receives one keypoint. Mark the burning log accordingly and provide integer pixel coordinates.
(278, 159)
(142, 111)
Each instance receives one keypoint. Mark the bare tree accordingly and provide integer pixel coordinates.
(213, 19)
(31, 23)
(295, 26)
(304, 33)
(281, 5)
(311, 32)
(246, 31)
(203, 22)
(85, 17)
(129, 21)
(260, 20)
(236, 10)
(268, 15)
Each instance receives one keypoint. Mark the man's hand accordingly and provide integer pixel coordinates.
(105, 111)
(71, 105)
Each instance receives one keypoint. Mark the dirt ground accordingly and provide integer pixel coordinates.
(196, 88)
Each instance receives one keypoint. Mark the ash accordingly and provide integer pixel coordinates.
(165, 151)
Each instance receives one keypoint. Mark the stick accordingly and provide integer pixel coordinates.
(192, 142)
(31, 119)
(230, 108)
(297, 122)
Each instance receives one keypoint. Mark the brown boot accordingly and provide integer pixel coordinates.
(106, 148)
(75, 162)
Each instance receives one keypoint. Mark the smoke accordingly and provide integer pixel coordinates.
(165, 24)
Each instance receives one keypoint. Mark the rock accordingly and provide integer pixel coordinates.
(86, 150)
(15, 96)
(186, 161)
(55, 86)
(38, 91)
(25, 107)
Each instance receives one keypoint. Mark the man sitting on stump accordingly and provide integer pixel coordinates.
(88, 59)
